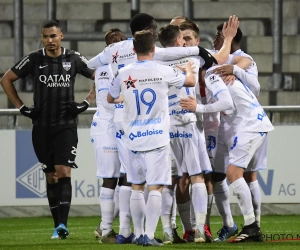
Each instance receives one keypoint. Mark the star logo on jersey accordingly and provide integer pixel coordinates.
(130, 82)
(114, 57)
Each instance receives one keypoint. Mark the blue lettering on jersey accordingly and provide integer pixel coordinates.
(119, 134)
(173, 103)
(145, 122)
(120, 66)
(132, 136)
(261, 116)
(94, 124)
(180, 135)
(110, 149)
(119, 106)
(235, 141)
(92, 140)
(180, 112)
(211, 142)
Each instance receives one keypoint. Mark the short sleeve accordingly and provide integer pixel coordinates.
(214, 83)
(24, 67)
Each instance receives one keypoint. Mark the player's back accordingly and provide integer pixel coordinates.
(145, 86)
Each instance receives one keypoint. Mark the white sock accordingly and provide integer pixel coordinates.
(210, 198)
(199, 199)
(166, 209)
(125, 215)
(221, 193)
(174, 211)
(192, 211)
(146, 193)
(256, 199)
(153, 209)
(184, 213)
(116, 200)
(138, 211)
(107, 209)
(243, 194)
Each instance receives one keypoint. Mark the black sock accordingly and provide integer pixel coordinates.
(53, 202)
(65, 196)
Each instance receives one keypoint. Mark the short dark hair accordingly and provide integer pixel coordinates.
(140, 22)
(238, 36)
(143, 42)
(189, 25)
(168, 34)
(50, 23)
(111, 31)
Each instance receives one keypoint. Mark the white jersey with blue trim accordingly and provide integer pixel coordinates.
(121, 54)
(103, 118)
(179, 116)
(145, 86)
(248, 114)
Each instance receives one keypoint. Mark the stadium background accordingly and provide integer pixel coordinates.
(22, 191)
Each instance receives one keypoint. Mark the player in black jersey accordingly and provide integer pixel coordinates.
(54, 114)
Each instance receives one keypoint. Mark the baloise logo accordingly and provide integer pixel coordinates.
(132, 136)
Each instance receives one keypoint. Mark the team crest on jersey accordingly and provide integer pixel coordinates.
(130, 82)
(115, 57)
(211, 142)
(66, 65)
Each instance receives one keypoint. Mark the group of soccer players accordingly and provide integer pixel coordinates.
(177, 127)
(172, 126)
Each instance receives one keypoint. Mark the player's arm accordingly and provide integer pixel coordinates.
(229, 32)
(114, 91)
(7, 84)
(99, 60)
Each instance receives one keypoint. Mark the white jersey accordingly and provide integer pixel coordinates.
(248, 76)
(248, 114)
(103, 118)
(121, 54)
(145, 86)
(179, 116)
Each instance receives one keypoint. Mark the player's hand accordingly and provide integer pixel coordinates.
(230, 28)
(229, 80)
(207, 57)
(188, 103)
(77, 108)
(29, 112)
(189, 67)
(224, 70)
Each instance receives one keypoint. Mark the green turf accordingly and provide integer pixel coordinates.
(35, 233)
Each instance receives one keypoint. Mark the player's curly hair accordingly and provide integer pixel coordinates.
(140, 22)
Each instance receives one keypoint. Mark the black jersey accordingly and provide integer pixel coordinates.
(54, 80)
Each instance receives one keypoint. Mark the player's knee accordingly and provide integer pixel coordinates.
(217, 177)
(110, 183)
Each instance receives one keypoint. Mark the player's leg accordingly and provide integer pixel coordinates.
(242, 151)
(108, 168)
(125, 235)
(158, 166)
(44, 152)
(221, 189)
(258, 162)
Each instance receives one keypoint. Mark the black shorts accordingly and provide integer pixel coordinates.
(55, 145)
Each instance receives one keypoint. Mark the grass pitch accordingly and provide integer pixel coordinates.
(35, 233)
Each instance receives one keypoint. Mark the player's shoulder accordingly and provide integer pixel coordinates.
(76, 54)
(119, 45)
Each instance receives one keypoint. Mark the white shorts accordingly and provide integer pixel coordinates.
(121, 145)
(189, 149)
(238, 149)
(152, 167)
(107, 158)
(259, 159)
(211, 138)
